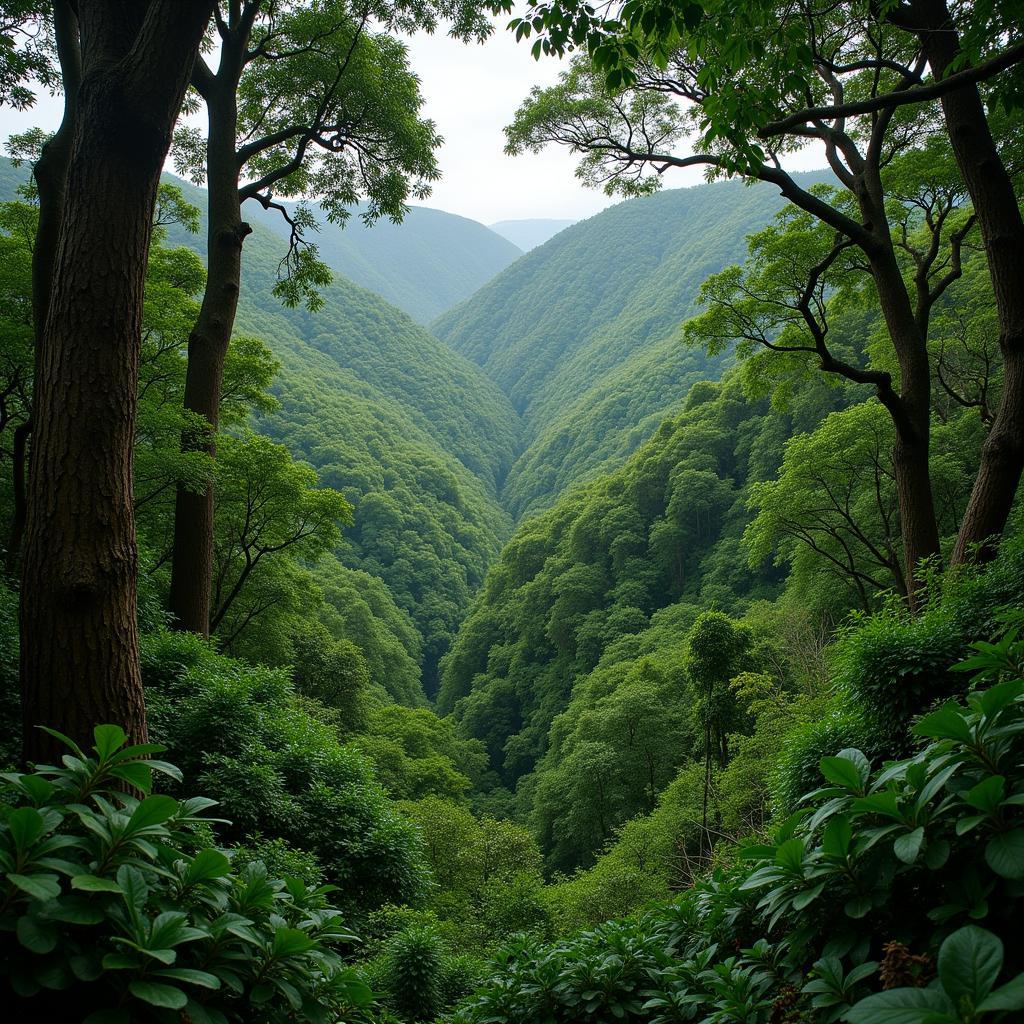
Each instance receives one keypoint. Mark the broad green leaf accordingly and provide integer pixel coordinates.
(166, 996)
(154, 810)
(948, 723)
(39, 887)
(36, 935)
(26, 825)
(908, 847)
(903, 1006)
(93, 883)
(1007, 997)
(1005, 853)
(969, 962)
(109, 739)
(987, 794)
(841, 771)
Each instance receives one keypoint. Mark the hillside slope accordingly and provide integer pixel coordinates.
(582, 333)
(424, 266)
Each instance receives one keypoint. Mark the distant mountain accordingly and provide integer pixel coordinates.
(528, 234)
(582, 332)
(424, 265)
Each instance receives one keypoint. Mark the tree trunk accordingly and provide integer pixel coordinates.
(911, 415)
(19, 467)
(79, 638)
(1002, 232)
(192, 565)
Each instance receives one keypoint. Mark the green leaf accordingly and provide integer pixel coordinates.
(1005, 853)
(93, 883)
(902, 1006)
(154, 810)
(1008, 997)
(26, 825)
(190, 975)
(969, 962)
(841, 771)
(291, 941)
(36, 935)
(109, 739)
(166, 996)
(945, 724)
(206, 865)
(836, 838)
(987, 794)
(908, 847)
(39, 887)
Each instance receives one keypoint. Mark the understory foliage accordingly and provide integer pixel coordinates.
(889, 897)
(116, 908)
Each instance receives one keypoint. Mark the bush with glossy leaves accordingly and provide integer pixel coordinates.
(885, 899)
(113, 910)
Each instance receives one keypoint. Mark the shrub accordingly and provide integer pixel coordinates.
(113, 910)
(238, 733)
(414, 967)
(881, 880)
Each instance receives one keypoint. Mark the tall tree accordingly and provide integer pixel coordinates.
(79, 641)
(760, 83)
(305, 99)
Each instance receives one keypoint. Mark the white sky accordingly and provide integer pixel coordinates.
(472, 91)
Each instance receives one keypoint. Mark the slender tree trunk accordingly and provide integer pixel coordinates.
(192, 565)
(79, 639)
(1002, 232)
(911, 416)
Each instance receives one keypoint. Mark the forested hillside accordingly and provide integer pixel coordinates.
(582, 333)
(646, 645)
(414, 436)
(424, 265)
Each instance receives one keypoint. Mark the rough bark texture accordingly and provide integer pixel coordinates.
(192, 560)
(79, 640)
(1002, 231)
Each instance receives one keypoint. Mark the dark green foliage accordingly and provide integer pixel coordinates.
(237, 732)
(115, 910)
(415, 964)
(922, 859)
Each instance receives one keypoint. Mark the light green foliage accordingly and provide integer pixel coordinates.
(416, 754)
(116, 909)
(488, 873)
(832, 514)
(269, 517)
(238, 732)
(612, 573)
(333, 672)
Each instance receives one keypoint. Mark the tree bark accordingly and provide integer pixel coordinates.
(1002, 232)
(911, 415)
(192, 558)
(79, 637)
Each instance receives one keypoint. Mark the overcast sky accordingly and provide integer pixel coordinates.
(472, 92)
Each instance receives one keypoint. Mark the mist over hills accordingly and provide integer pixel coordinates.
(424, 265)
(529, 233)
